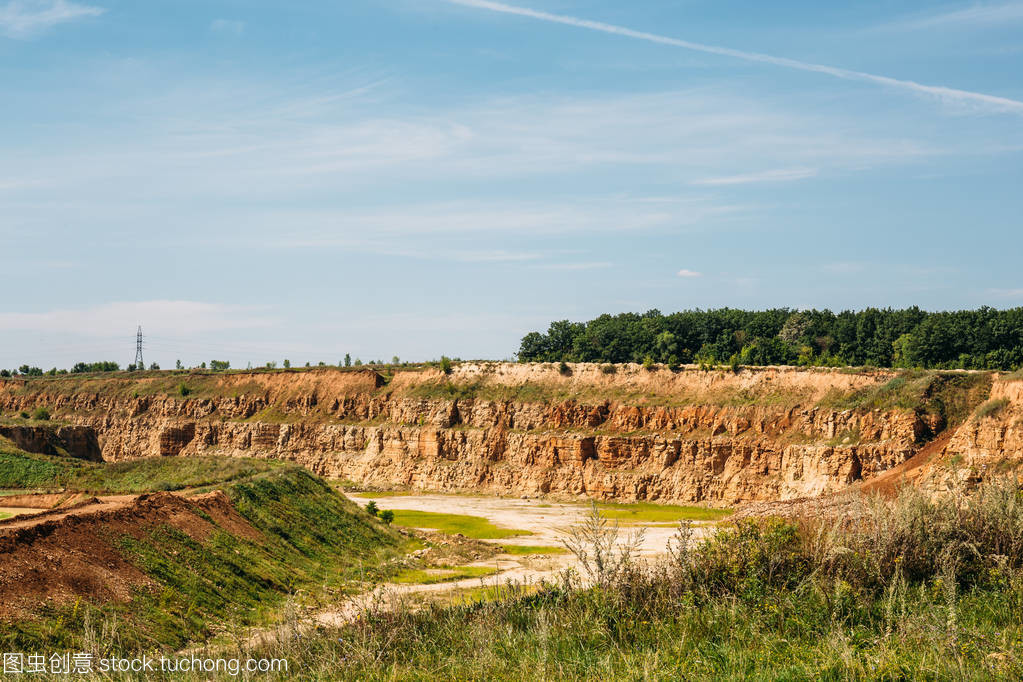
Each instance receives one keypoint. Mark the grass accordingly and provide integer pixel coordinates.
(168, 473)
(913, 588)
(530, 550)
(470, 526)
(442, 574)
(991, 408)
(385, 493)
(643, 512)
(952, 396)
(19, 469)
(554, 392)
(474, 596)
(5, 515)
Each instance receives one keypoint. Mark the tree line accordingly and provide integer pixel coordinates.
(986, 338)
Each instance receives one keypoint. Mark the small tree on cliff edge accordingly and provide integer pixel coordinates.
(348, 359)
(445, 364)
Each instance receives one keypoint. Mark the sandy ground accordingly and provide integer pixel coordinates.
(547, 521)
(16, 511)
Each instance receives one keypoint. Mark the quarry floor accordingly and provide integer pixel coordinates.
(546, 521)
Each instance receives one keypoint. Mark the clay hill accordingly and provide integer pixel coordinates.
(620, 432)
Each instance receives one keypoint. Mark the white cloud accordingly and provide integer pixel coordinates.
(229, 26)
(172, 318)
(777, 175)
(25, 18)
(984, 14)
(843, 268)
(1006, 293)
(992, 103)
(689, 273)
(573, 266)
(222, 143)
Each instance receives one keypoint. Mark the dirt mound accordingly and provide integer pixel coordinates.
(67, 554)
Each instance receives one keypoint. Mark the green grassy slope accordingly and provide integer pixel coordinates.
(312, 541)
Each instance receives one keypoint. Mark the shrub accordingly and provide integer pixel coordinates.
(445, 364)
(992, 408)
(564, 369)
(41, 413)
(23, 414)
(750, 557)
(648, 364)
(371, 508)
(387, 516)
(609, 369)
(183, 390)
(733, 364)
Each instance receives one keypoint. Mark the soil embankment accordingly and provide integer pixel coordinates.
(58, 556)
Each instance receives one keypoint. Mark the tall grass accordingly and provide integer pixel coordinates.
(908, 588)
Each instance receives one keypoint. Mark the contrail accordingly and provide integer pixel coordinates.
(992, 102)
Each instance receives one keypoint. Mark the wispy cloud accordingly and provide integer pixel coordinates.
(992, 103)
(1006, 293)
(176, 317)
(573, 266)
(26, 18)
(776, 175)
(229, 26)
(843, 268)
(689, 274)
(985, 14)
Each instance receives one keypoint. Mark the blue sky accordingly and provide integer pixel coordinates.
(259, 180)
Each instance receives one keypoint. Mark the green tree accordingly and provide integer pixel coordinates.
(287, 363)
(666, 345)
(348, 359)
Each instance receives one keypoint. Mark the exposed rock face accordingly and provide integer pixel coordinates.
(74, 441)
(688, 437)
(983, 445)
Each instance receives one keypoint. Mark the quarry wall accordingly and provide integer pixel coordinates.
(713, 437)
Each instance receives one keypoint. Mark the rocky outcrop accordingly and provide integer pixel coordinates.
(693, 436)
(989, 443)
(71, 441)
